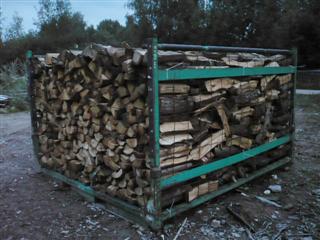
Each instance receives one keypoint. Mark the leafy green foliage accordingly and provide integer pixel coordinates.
(13, 83)
(109, 31)
(251, 23)
(58, 26)
(63, 32)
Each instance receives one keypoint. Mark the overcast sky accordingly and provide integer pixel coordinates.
(93, 10)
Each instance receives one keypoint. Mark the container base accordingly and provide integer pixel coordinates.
(136, 215)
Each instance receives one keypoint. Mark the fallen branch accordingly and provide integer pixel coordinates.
(267, 201)
(180, 229)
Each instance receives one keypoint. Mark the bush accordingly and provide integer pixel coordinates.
(13, 83)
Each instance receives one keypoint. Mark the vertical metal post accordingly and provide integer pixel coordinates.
(294, 52)
(33, 114)
(154, 204)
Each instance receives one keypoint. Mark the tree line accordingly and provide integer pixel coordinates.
(250, 23)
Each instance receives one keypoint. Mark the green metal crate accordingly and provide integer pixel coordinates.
(154, 216)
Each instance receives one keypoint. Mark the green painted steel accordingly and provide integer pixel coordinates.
(90, 191)
(185, 74)
(156, 101)
(154, 207)
(33, 114)
(69, 181)
(169, 213)
(293, 99)
(29, 54)
(117, 207)
(188, 47)
(207, 168)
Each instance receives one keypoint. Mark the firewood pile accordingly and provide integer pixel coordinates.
(93, 118)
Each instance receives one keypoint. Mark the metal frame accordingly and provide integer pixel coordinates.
(225, 162)
(294, 53)
(154, 206)
(185, 74)
(154, 216)
(188, 74)
(33, 114)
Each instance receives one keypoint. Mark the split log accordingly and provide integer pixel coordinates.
(202, 189)
(207, 145)
(167, 172)
(220, 83)
(197, 99)
(242, 113)
(174, 88)
(242, 142)
(224, 119)
(174, 138)
(225, 151)
(254, 63)
(284, 79)
(175, 126)
(175, 104)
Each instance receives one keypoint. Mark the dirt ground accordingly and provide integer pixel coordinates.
(33, 206)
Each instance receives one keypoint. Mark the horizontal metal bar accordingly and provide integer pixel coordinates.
(69, 181)
(184, 74)
(185, 47)
(169, 213)
(225, 162)
(132, 210)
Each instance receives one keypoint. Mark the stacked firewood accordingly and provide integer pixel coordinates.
(93, 117)
(207, 120)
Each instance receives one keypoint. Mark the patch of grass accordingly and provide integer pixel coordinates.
(13, 83)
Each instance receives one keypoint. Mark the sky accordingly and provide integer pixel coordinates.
(93, 11)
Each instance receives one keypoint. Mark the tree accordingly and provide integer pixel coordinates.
(131, 31)
(172, 21)
(110, 32)
(143, 16)
(50, 10)
(62, 8)
(45, 12)
(251, 23)
(58, 27)
(15, 29)
(64, 32)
